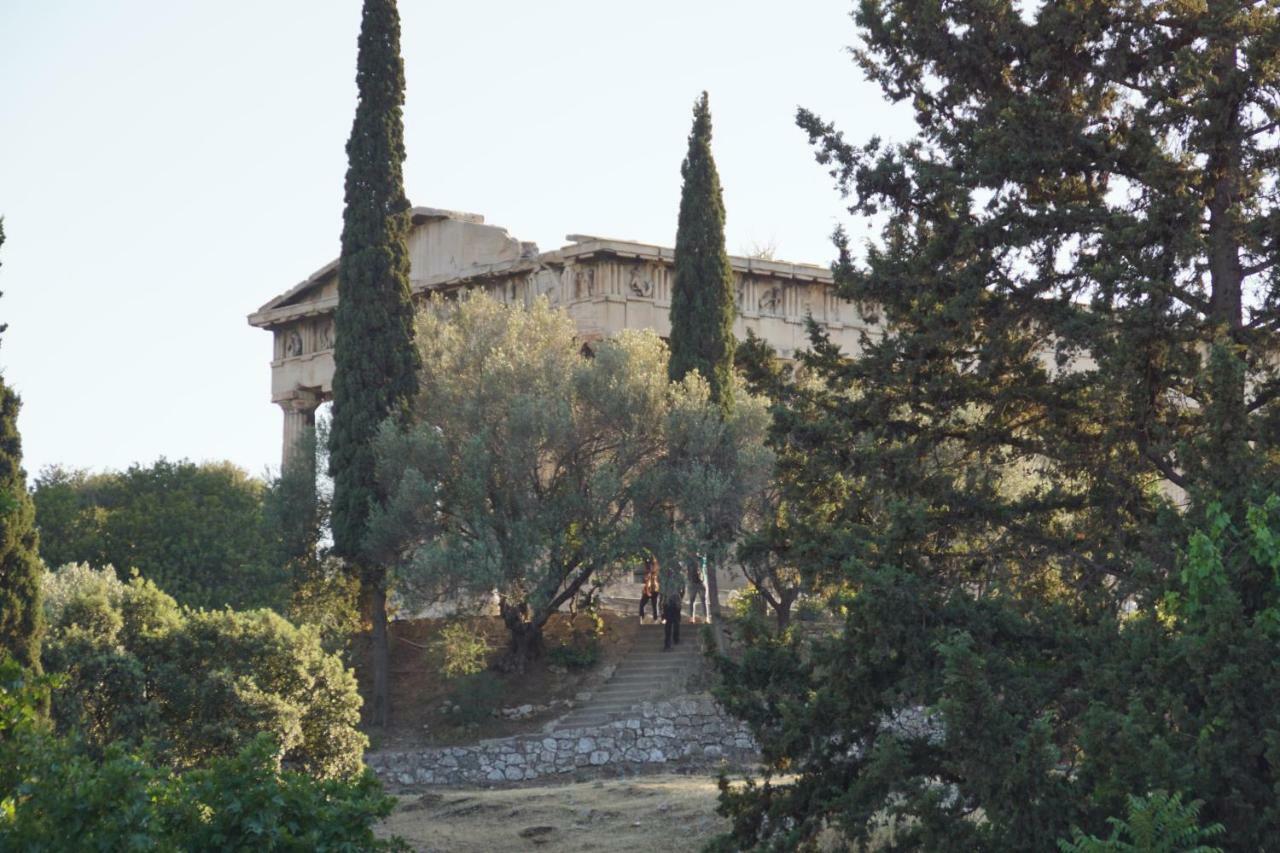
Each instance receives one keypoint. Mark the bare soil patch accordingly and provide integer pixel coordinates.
(650, 813)
(418, 692)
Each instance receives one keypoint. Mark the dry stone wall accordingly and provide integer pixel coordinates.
(690, 732)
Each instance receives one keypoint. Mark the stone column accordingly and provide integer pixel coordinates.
(299, 415)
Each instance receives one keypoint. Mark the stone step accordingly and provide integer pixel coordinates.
(604, 713)
(646, 674)
(656, 673)
(674, 656)
(668, 660)
(656, 677)
(627, 694)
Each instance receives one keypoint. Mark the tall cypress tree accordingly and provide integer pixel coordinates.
(702, 301)
(21, 621)
(375, 361)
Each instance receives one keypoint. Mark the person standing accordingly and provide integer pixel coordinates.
(698, 589)
(649, 592)
(672, 609)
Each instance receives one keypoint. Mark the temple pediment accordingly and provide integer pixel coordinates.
(444, 245)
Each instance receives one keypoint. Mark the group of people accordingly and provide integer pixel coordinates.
(673, 603)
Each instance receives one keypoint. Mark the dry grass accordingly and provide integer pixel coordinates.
(650, 813)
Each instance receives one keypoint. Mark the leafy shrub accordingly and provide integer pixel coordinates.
(1156, 823)
(55, 795)
(326, 597)
(199, 684)
(575, 655)
(459, 649)
(809, 609)
(746, 603)
(476, 696)
(583, 648)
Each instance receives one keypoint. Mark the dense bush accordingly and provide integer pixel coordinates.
(199, 684)
(582, 650)
(198, 531)
(56, 795)
(575, 655)
(1156, 823)
(459, 649)
(325, 597)
(477, 696)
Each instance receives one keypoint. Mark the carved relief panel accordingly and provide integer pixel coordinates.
(640, 282)
(771, 301)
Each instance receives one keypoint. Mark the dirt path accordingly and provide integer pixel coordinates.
(650, 813)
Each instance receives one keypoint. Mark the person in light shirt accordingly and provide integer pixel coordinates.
(649, 592)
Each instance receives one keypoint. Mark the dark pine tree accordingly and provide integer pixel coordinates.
(702, 299)
(21, 620)
(1076, 292)
(375, 360)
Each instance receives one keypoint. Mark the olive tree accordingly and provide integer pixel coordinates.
(531, 468)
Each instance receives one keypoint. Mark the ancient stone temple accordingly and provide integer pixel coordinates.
(606, 285)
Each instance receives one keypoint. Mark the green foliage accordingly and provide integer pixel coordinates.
(529, 469)
(20, 615)
(295, 508)
(476, 696)
(581, 653)
(198, 531)
(1059, 334)
(54, 795)
(459, 649)
(321, 592)
(196, 684)
(1156, 823)
(702, 298)
(375, 362)
(809, 609)
(719, 476)
(746, 604)
(327, 598)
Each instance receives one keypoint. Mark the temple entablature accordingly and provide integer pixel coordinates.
(606, 285)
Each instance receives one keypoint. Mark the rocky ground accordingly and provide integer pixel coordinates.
(649, 813)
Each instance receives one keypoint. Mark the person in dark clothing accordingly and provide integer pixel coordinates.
(671, 617)
(649, 592)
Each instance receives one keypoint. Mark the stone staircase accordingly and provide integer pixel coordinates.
(646, 674)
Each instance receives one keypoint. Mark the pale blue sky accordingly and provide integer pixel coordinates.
(167, 167)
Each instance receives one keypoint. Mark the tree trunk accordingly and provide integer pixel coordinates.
(526, 647)
(1225, 409)
(526, 643)
(380, 709)
(782, 610)
(713, 591)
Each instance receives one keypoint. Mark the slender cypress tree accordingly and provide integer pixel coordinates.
(21, 622)
(702, 301)
(375, 361)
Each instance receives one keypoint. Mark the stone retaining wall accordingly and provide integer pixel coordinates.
(692, 732)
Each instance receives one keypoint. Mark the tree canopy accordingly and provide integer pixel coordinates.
(195, 684)
(533, 470)
(1058, 431)
(702, 297)
(21, 622)
(200, 530)
(375, 361)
